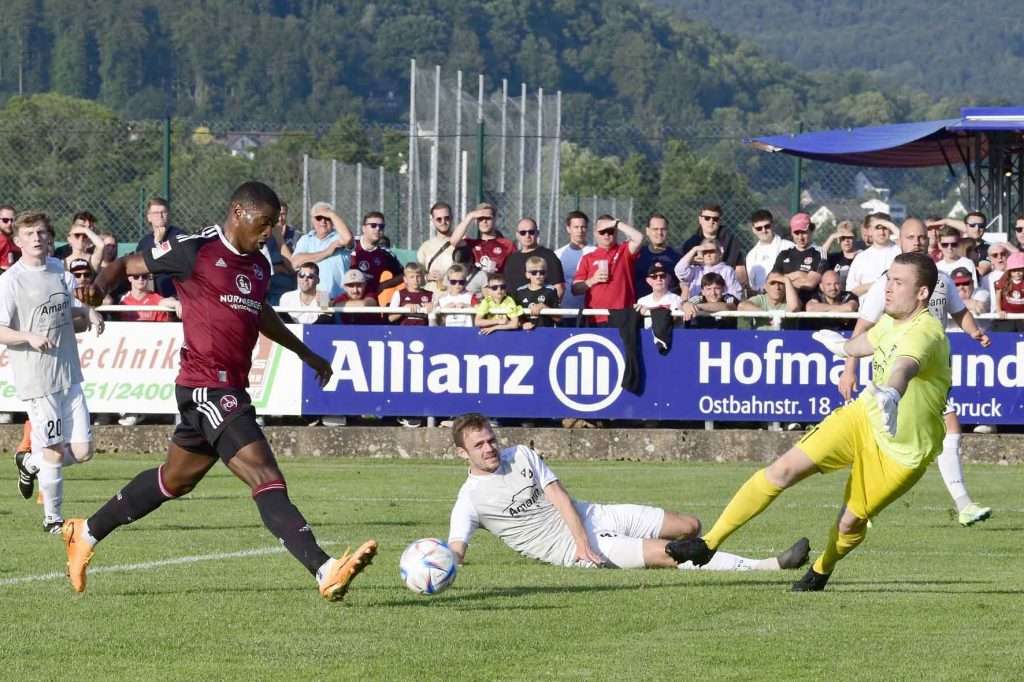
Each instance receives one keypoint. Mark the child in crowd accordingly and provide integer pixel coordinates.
(535, 296)
(660, 296)
(413, 297)
(498, 310)
(1010, 294)
(456, 296)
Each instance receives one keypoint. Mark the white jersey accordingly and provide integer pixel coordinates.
(293, 300)
(39, 300)
(761, 259)
(945, 300)
(463, 300)
(510, 503)
(870, 264)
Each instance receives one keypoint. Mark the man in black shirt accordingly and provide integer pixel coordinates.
(710, 227)
(529, 246)
(802, 265)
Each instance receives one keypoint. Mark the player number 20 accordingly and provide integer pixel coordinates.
(53, 429)
(820, 406)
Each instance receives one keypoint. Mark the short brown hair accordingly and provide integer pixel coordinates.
(413, 266)
(717, 208)
(473, 421)
(948, 231)
(31, 219)
(576, 215)
(927, 272)
(157, 201)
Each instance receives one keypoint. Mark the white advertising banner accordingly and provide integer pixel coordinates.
(131, 368)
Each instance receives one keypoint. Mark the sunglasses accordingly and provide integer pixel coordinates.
(525, 232)
(459, 282)
(606, 232)
(536, 273)
(998, 254)
(496, 287)
(81, 275)
(77, 235)
(303, 275)
(379, 226)
(948, 245)
(658, 275)
(712, 218)
(6, 220)
(843, 239)
(146, 277)
(442, 219)
(488, 218)
(322, 217)
(763, 228)
(1019, 229)
(975, 224)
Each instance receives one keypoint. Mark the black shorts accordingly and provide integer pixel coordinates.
(215, 421)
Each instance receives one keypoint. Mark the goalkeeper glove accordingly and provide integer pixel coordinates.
(834, 341)
(888, 401)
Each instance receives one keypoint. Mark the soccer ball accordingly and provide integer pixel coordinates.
(427, 566)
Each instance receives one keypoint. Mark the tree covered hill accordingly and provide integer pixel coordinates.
(619, 63)
(963, 50)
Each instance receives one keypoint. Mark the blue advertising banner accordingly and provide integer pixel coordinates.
(716, 375)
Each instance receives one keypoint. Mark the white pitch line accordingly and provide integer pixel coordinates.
(148, 565)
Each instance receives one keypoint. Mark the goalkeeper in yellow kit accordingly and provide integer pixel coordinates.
(887, 437)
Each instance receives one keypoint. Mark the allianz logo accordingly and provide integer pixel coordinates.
(584, 372)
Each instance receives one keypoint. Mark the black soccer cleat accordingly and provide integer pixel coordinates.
(795, 556)
(694, 550)
(811, 582)
(26, 479)
(53, 527)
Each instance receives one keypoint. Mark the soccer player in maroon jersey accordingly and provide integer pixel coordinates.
(222, 275)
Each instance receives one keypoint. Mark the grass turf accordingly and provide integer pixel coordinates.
(921, 599)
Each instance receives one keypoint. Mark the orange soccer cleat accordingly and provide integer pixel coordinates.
(335, 583)
(79, 552)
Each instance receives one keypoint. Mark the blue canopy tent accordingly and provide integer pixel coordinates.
(988, 141)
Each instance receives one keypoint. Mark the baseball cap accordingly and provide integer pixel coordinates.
(656, 268)
(961, 276)
(800, 222)
(1015, 261)
(320, 208)
(79, 264)
(354, 277)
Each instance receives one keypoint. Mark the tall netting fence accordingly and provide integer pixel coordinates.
(354, 189)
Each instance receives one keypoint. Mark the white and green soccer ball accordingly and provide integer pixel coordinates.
(427, 566)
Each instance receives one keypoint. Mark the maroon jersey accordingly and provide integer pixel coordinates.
(416, 298)
(490, 254)
(222, 294)
(372, 264)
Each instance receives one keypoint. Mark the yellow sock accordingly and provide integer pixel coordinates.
(839, 545)
(749, 501)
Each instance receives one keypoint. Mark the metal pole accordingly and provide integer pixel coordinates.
(464, 190)
(557, 170)
(410, 169)
(458, 134)
(334, 183)
(305, 193)
(540, 148)
(380, 188)
(480, 163)
(522, 150)
(435, 148)
(794, 202)
(167, 160)
(504, 133)
(359, 191)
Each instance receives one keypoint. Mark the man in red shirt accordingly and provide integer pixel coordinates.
(9, 251)
(605, 275)
(372, 259)
(491, 249)
(222, 275)
(139, 294)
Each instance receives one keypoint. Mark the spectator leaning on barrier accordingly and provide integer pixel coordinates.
(456, 296)
(355, 296)
(412, 296)
(712, 299)
(831, 298)
(660, 297)
(84, 276)
(497, 311)
(655, 250)
(327, 245)
(535, 295)
(158, 215)
(976, 299)
(435, 254)
(779, 295)
(306, 296)
(761, 259)
(803, 264)
(701, 259)
(952, 259)
(281, 247)
(605, 275)
(371, 257)
(841, 260)
(9, 251)
(577, 226)
(709, 226)
(874, 260)
(529, 247)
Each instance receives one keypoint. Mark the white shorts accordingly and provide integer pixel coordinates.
(60, 417)
(618, 531)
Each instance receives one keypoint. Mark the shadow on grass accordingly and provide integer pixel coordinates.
(318, 526)
(200, 591)
(464, 600)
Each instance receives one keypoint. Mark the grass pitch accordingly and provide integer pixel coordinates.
(199, 590)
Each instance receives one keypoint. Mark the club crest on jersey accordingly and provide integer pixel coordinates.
(160, 249)
(243, 284)
(258, 271)
(228, 403)
(364, 266)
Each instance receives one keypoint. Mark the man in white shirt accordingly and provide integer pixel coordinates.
(577, 225)
(513, 494)
(761, 258)
(435, 254)
(870, 263)
(306, 297)
(949, 243)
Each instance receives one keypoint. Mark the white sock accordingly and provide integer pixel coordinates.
(31, 463)
(952, 470)
(88, 535)
(724, 561)
(324, 569)
(51, 485)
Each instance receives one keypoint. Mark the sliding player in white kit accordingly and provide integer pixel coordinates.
(945, 302)
(39, 316)
(515, 495)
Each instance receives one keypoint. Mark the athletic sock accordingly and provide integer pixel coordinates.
(51, 485)
(143, 494)
(724, 561)
(88, 536)
(750, 500)
(324, 569)
(952, 471)
(839, 545)
(286, 523)
(31, 462)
